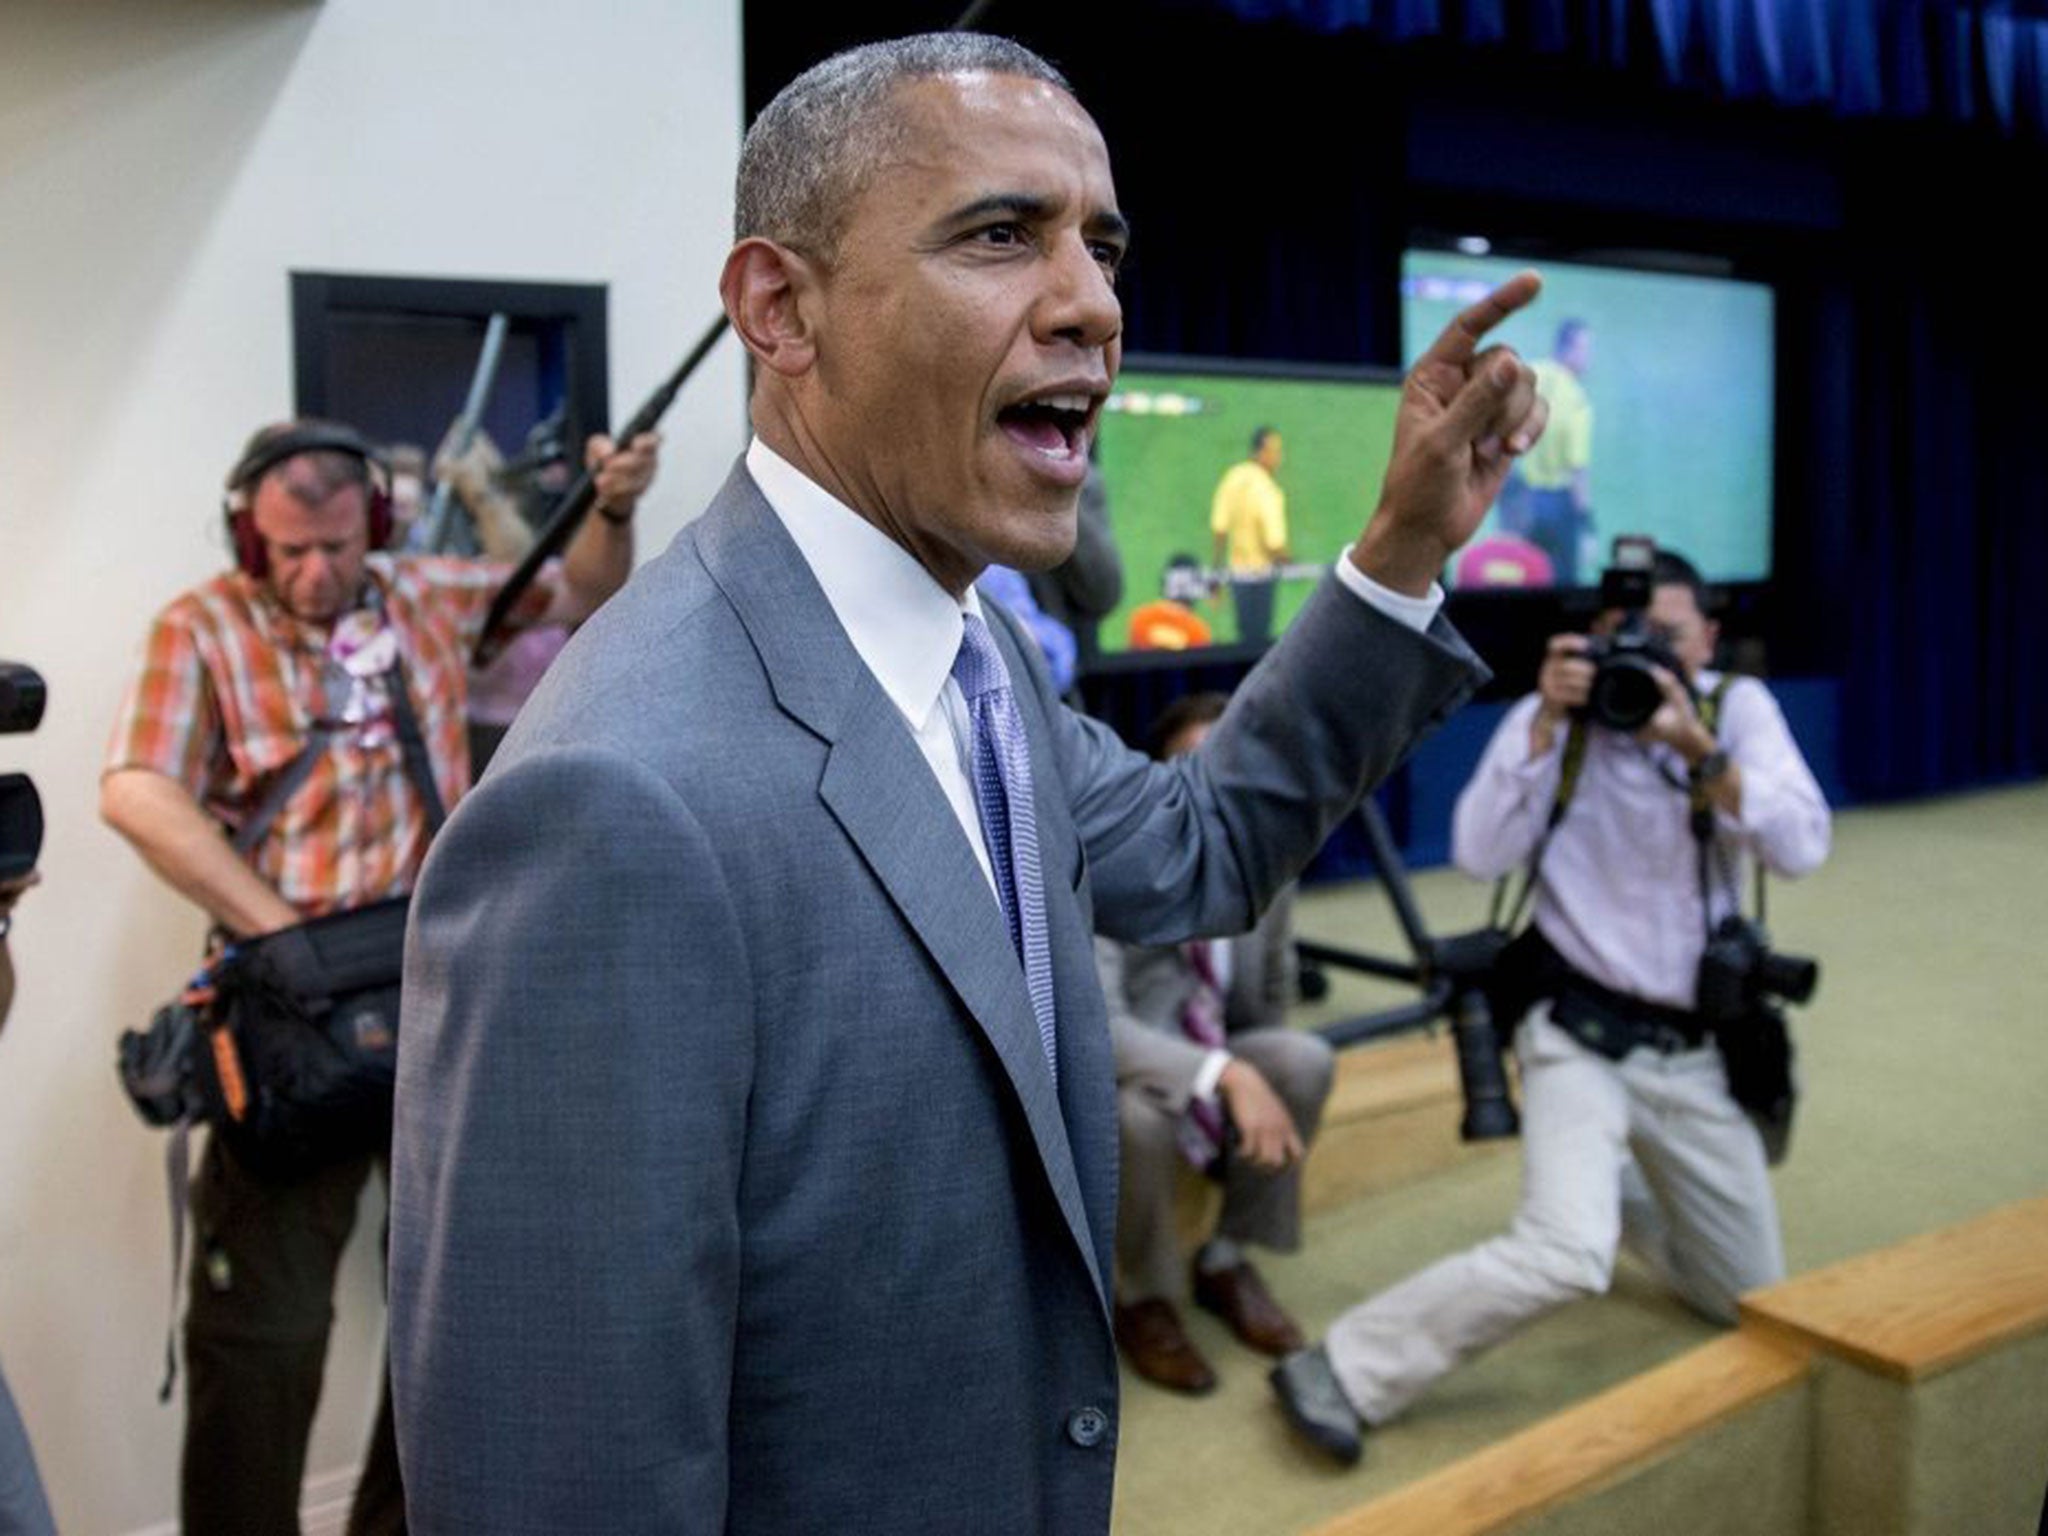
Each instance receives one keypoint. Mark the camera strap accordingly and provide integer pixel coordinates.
(1703, 820)
(1567, 785)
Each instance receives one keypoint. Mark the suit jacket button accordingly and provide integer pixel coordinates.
(1087, 1426)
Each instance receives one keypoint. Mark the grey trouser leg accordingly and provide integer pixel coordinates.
(1149, 1161)
(1265, 1208)
(1583, 1119)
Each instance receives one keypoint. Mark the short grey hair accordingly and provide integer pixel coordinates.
(816, 147)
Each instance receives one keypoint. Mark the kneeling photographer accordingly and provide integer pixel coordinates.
(1635, 787)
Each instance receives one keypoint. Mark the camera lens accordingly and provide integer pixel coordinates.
(1489, 1111)
(1791, 977)
(1624, 693)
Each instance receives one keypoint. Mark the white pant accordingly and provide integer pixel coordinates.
(1652, 1146)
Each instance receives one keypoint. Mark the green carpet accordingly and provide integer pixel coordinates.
(1924, 1058)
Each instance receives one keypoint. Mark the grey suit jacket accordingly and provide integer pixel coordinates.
(1145, 987)
(731, 1188)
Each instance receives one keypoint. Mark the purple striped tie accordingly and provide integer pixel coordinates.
(1009, 821)
(1201, 1133)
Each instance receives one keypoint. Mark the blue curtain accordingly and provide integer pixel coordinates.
(1977, 62)
(1918, 512)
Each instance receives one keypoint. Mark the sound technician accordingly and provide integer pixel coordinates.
(297, 667)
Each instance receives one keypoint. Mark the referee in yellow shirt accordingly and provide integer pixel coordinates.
(1249, 519)
(1556, 513)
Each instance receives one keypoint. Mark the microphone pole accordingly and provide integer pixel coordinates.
(578, 499)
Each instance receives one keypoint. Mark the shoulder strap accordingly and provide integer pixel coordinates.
(418, 766)
(178, 1182)
(1710, 716)
(1710, 706)
(282, 788)
(1560, 802)
(1703, 814)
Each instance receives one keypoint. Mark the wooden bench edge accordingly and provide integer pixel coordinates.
(1583, 1449)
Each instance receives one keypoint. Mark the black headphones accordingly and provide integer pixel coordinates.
(271, 447)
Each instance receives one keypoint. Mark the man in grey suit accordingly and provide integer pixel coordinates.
(755, 1156)
(1207, 1072)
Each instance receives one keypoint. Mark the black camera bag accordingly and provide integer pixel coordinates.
(1756, 1050)
(287, 1047)
(301, 1047)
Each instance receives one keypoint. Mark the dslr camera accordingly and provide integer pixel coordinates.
(22, 695)
(1740, 983)
(1625, 693)
(1740, 973)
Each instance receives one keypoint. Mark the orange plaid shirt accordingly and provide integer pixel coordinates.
(232, 686)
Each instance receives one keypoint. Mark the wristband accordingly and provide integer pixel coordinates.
(616, 519)
(1710, 767)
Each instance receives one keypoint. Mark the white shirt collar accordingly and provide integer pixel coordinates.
(904, 626)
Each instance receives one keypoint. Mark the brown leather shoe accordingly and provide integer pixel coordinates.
(1240, 1298)
(1152, 1339)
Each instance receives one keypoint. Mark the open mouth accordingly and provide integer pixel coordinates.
(1056, 426)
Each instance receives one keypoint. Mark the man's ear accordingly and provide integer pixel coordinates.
(769, 293)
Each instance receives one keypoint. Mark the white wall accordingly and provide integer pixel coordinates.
(162, 167)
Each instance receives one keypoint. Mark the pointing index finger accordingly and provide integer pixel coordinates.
(1461, 338)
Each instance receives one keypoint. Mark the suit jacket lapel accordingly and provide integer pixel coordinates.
(879, 788)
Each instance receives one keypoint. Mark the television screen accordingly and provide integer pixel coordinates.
(1660, 390)
(1179, 461)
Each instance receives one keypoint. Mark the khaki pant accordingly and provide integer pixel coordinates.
(1650, 1149)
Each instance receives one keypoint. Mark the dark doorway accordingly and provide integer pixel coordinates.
(393, 356)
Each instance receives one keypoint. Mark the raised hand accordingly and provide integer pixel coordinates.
(1563, 685)
(623, 472)
(1466, 413)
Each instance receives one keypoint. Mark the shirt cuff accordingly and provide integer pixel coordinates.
(1418, 613)
(1210, 1075)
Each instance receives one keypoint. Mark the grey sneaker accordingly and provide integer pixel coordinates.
(1316, 1405)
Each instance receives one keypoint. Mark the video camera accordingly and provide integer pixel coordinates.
(22, 695)
(1625, 693)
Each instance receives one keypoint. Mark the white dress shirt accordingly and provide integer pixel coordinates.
(906, 628)
(1620, 892)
